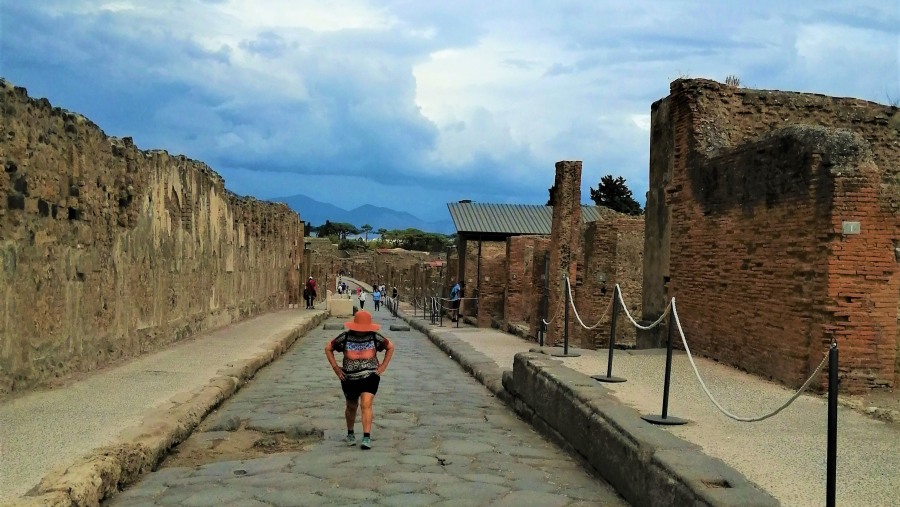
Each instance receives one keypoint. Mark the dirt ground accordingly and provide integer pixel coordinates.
(881, 404)
(209, 447)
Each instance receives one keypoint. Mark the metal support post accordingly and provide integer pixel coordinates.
(612, 341)
(831, 467)
(566, 324)
(565, 352)
(664, 418)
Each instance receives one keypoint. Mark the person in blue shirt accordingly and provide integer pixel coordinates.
(376, 297)
(454, 302)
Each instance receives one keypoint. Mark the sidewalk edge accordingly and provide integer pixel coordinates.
(106, 470)
(609, 436)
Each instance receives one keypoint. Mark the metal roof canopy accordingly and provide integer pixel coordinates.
(509, 219)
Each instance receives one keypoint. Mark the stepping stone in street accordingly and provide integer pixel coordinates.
(399, 327)
(333, 326)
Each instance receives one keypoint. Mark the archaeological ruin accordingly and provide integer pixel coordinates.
(774, 219)
(109, 251)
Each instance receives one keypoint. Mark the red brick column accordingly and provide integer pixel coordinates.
(564, 242)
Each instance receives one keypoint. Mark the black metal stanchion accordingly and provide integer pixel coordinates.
(665, 418)
(545, 298)
(566, 326)
(831, 467)
(612, 341)
(441, 312)
(565, 352)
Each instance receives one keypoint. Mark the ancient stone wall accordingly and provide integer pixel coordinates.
(657, 230)
(539, 288)
(492, 286)
(612, 253)
(758, 195)
(521, 294)
(109, 251)
(565, 239)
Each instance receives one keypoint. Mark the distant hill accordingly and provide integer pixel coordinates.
(316, 212)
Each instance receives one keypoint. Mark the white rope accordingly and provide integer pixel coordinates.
(716, 403)
(555, 314)
(578, 317)
(628, 314)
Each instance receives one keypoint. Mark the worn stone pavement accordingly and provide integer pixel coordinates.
(785, 455)
(49, 429)
(439, 438)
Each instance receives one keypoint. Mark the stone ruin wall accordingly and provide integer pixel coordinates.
(611, 253)
(537, 290)
(565, 244)
(410, 271)
(107, 251)
(522, 298)
(757, 185)
(492, 291)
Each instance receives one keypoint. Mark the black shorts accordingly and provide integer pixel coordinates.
(454, 304)
(353, 388)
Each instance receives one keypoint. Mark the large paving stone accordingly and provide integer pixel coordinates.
(440, 438)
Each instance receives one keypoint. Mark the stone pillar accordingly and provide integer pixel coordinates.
(564, 244)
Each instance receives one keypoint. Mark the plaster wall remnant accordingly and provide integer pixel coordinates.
(108, 251)
(750, 192)
(564, 241)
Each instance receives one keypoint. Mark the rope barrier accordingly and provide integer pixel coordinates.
(578, 317)
(716, 403)
(628, 314)
(559, 306)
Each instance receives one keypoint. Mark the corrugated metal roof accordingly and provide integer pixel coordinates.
(509, 218)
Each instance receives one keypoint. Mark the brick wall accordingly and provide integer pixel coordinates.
(756, 198)
(565, 239)
(493, 283)
(108, 251)
(533, 313)
(519, 294)
(612, 254)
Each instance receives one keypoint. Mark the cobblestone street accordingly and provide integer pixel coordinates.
(439, 438)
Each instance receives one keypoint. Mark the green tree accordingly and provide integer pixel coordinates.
(614, 194)
(366, 228)
(414, 239)
(327, 229)
(339, 230)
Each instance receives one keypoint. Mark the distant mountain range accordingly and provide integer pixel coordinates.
(316, 212)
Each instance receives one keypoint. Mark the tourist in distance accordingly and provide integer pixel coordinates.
(376, 298)
(310, 293)
(361, 371)
(394, 294)
(362, 299)
(454, 302)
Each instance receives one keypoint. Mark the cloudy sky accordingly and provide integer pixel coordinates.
(413, 103)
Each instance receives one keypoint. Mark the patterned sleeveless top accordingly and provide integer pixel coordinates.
(359, 351)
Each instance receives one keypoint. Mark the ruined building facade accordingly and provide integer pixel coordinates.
(108, 251)
(774, 219)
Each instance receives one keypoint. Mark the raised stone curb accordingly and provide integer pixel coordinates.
(99, 475)
(646, 465)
